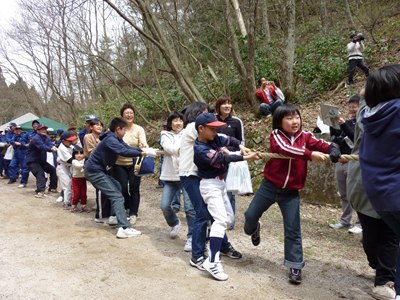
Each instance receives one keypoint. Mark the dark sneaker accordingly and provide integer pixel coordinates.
(11, 181)
(53, 191)
(197, 262)
(295, 276)
(255, 237)
(232, 253)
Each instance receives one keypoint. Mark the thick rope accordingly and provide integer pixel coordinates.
(343, 158)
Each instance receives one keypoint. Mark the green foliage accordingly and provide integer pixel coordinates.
(321, 64)
(268, 60)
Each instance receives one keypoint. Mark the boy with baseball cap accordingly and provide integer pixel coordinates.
(212, 159)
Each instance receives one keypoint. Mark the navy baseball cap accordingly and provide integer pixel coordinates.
(41, 126)
(35, 121)
(90, 118)
(12, 124)
(208, 119)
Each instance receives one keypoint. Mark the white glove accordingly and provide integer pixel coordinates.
(152, 152)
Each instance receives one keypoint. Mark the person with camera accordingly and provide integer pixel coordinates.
(354, 49)
(270, 97)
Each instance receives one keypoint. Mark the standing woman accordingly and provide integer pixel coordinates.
(91, 140)
(123, 171)
(170, 141)
(223, 108)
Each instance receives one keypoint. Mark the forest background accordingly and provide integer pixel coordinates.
(74, 57)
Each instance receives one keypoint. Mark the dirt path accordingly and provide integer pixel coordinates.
(49, 253)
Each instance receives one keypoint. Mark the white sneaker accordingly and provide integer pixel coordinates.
(40, 195)
(22, 185)
(188, 245)
(132, 219)
(339, 226)
(384, 292)
(215, 269)
(100, 220)
(59, 199)
(127, 233)
(356, 229)
(175, 230)
(112, 220)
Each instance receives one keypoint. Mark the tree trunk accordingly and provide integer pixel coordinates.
(349, 15)
(246, 72)
(324, 17)
(158, 38)
(239, 17)
(264, 16)
(291, 10)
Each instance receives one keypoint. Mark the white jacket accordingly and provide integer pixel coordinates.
(171, 143)
(186, 164)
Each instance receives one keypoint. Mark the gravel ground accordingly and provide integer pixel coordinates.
(47, 252)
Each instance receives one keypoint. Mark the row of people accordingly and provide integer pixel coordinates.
(203, 159)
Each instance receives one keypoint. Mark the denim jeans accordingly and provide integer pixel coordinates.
(268, 109)
(202, 217)
(289, 204)
(168, 195)
(112, 190)
(392, 219)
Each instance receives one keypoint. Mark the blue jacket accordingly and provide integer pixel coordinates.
(81, 135)
(107, 151)
(38, 148)
(9, 136)
(210, 160)
(31, 133)
(380, 157)
(23, 139)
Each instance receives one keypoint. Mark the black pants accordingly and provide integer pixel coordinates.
(38, 170)
(130, 185)
(353, 64)
(380, 245)
(103, 206)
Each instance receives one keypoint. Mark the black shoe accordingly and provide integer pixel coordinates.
(232, 253)
(11, 181)
(255, 237)
(295, 276)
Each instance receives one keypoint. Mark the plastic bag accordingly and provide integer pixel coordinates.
(238, 179)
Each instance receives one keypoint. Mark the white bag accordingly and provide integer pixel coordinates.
(238, 179)
(9, 153)
(233, 180)
(246, 187)
(280, 94)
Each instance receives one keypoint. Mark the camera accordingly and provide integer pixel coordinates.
(358, 37)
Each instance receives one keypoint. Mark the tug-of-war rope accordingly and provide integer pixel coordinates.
(343, 157)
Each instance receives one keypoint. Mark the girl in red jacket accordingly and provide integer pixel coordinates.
(283, 178)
